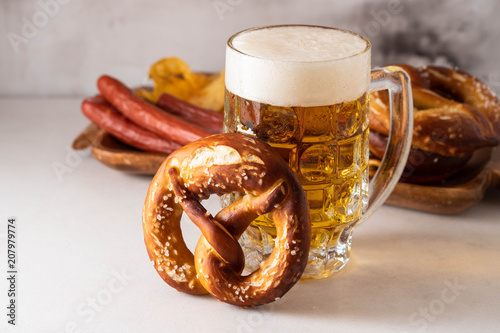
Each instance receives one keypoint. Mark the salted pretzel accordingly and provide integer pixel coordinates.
(454, 113)
(222, 164)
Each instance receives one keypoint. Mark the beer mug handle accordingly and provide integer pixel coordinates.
(397, 82)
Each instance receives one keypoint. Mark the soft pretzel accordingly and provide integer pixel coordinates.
(222, 164)
(454, 113)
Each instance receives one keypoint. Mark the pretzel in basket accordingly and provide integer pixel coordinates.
(222, 164)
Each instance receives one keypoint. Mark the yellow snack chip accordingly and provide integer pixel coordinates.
(173, 76)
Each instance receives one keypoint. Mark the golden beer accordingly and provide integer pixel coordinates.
(327, 147)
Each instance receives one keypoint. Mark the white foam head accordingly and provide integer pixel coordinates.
(298, 65)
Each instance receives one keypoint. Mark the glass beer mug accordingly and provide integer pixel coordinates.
(304, 90)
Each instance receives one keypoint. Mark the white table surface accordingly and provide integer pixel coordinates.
(83, 266)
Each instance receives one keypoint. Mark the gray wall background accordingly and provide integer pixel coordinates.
(59, 47)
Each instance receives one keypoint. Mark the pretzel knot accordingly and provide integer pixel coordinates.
(223, 164)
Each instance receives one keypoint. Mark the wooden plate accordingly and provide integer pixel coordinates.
(453, 196)
(116, 154)
(456, 194)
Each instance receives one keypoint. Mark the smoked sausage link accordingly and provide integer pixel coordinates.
(211, 120)
(147, 115)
